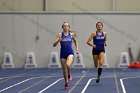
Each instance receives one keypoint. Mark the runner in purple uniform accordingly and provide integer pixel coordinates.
(66, 52)
(99, 41)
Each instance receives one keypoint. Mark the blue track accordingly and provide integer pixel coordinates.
(44, 80)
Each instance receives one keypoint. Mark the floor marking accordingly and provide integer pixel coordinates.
(78, 81)
(47, 77)
(123, 88)
(19, 83)
(16, 76)
(83, 91)
(50, 85)
(122, 84)
(116, 83)
(15, 84)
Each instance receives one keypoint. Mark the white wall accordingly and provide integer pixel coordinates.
(18, 32)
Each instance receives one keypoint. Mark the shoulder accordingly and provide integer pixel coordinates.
(94, 33)
(104, 33)
(59, 34)
(72, 34)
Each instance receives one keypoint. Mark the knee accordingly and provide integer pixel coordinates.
(100, 65)
(68, 65)
(64, 70)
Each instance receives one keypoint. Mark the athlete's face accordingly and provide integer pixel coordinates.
(66, 26)
(99, 26)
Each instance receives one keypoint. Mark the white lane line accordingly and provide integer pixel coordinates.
(78, 82)
(123, 88)
(15, 84)
(16, 76)
(19, 83)
(23, 90)
(122, 84)
(83, 91)
(50, 85)
(116, 83)
(46, 77)
(56, 76)
(22, 75)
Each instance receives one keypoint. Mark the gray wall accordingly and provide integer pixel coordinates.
(18, 32)
(68, 5)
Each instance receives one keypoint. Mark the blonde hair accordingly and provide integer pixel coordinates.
(64, 23)
(74, 32)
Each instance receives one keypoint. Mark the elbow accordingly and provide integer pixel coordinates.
(87, 42)
(54, 45)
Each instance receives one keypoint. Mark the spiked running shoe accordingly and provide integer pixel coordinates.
(69, 77)
(66, 86)
(98, 79)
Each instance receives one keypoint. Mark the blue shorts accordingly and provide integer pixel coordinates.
(65, 55)
(97, 52)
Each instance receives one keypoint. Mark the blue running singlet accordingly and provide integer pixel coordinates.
(98, 40)
(66, 46)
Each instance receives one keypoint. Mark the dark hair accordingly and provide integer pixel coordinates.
(64, 23)
(98, 23)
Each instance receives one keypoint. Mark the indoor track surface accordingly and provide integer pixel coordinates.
(45, 80)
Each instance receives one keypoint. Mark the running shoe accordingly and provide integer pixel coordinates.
(98, 79)
(66, 86)
(69, 77)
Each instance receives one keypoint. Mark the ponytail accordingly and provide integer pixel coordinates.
(74, 32)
